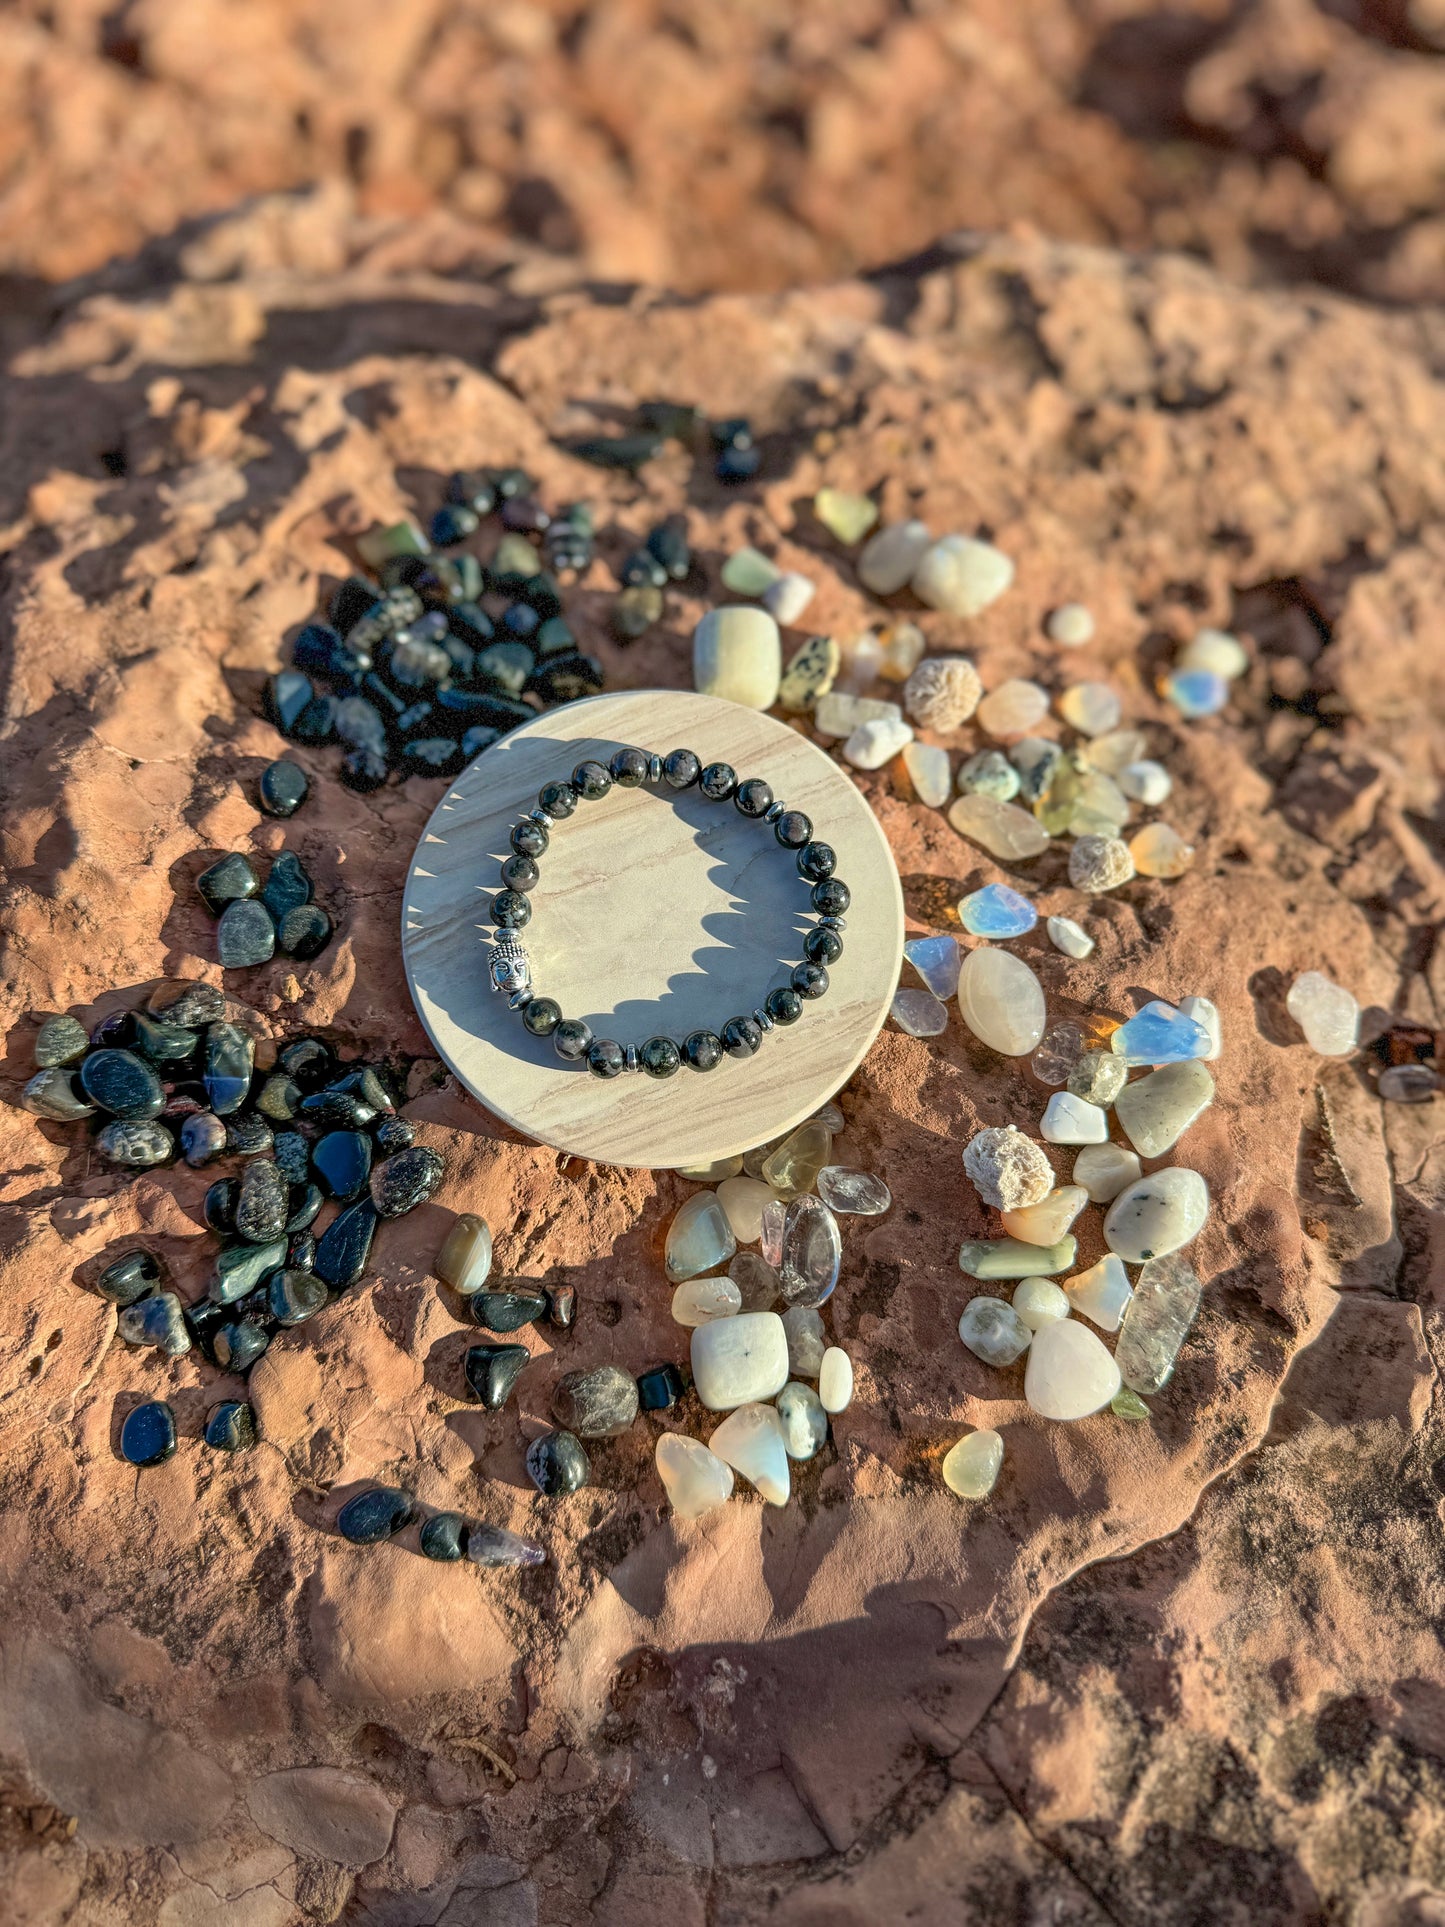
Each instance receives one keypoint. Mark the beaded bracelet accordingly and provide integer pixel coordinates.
(701, 1050)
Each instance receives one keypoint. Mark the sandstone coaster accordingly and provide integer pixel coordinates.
(656, 912)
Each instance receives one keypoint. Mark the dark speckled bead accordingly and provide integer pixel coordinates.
(660, 1057)
(680, 769)
(816, 861)
(557, 799)
(718, 781)
(702, 1050)
(822, 946)
(520, 873)
(741, 1036)
(831, 897)
(629, 768)
(793, 829)
(542, 1016)
(510, 910)
(571, 1038)
(784, 1005)
(754, 797)
(606, 1058)
(529, 838)
(591, 781)
(810, 980)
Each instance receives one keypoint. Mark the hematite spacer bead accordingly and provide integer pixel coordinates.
(634, 1062)
(762, 1020)
(541, 816)
(793, 829)
(519, 999)
(775, 812)
(654, 768)
(832, 923)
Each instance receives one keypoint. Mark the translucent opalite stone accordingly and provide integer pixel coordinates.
(1104, 1170)
(919, 1013)
(1326, 1012)
(756, 1280)
(1069, 1120)
(694, 1479)
(1101, 1293)
(804, 1422)
(1038, 1301)
(1195, 692)
(812, 1252)
(1102, 802)
(1164, 1306)
(928, 772)
(1057, 1055)
(1001, 1001)
(1157, 1215)
(847, 518)
(993, 1331)
(1090, 707)
(1046, 1222)
(699, 1238)
(1204, 1013)
(743, 1200)
(835, 1380)
(1070, 1373)
(794, 1166)
(937, 961)
(971, 1467)
(997, 911)
(749, 572)
(856, 1194)
(1013, 709)
(697, 1301)
(751, 1441)
(1159, 851)
(1070, 937)
(1011, 1258)
(1155, 1111)
(1159, 1034)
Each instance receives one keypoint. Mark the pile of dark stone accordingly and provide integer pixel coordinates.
(736, 456)
(255, 920)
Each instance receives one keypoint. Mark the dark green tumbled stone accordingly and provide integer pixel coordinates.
(228, 881)
(668, 543)
(56, 1093)
(236, 1346)
(304, 932)
(60, 1040)
(231, 1427)
(283, 788)
(246, 935)
(119, 1082)
(161, 1043)
(444, 1536)
(230, 1060)
(492, 1372)
(129, 1277)
(373, 1516)
(293, 1154)
(307, 1060)
(287, 886)
(306, 1203)
(248, 1135)
(280, 1098)
(187, 1003)
(293, 1296)
(219, 1205)
(241, 1267)
(136, 1143)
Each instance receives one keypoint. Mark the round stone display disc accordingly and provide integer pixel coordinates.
(657, 912)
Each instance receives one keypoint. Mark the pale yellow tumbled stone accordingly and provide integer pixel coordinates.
(1039, 1301)
(903, 645)
(1003, 829)
(749, 572)
(962, 575)
(794, 1166)
(1046, 1222)
(743, 1200)
(928, 772)
(465, 1259)
(1001, 1001)
(1090, 707)
(1215, 650)
(1098, 801)
(971, 1467)
(1159, 851)
(697, 1301)
(694, 1479)
(737, 654)
(846, 517)
(1015, 708)
(712, 1173)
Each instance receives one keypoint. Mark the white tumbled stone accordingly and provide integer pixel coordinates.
(1039, 1301)
(804, 1422)
(928, 771)
(1145, 782)
(873, 744)
(962, 576)
(737, 654)
(835, 1380)
(1155, 1111)
(737, 1360)
(1326, 1012)
(694, 1479)
(1001, 1001)
(1157, 1215)
(787, 598)
(890, 557)
(1046, 1222)
(1070, 937)
(1070, 1372)
(1104, 1170)
(1206, 1015)
(1071, 1120)
(1071, 625)
(751, 1441)
(698, 1301)
(1216, 650)
(1101, 1293)
(837, 714)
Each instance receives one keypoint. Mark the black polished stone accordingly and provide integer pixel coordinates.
(219, 1205)
(148, 1435)
(137, 1143)
(557, 1464)
(315, 648)
(733, 431)
(492, 1372)
(510, 910)
(344, 1247)
(374, 1515)
(187, 1003)
(659, 1389)
(114, 1032)
(393, 1134)
(529, 838)
(307, 1060)
(793, 829)
(783, 1005)
(668, 543)
(203, 1139)
(246, 935)
(831, 897)
(681, 769)
(810, 980)
(741, 1036)
(121, 1083)
(509, 1310)
(264, 1204)
(159, 1320)
(231, 1427)
(306, 1203)
(660, 1057)
(737, 465)
(129, 1277)
(628, 768)
(287, 885)
(229, 881)
(293, 1154)
(406, 1180)
(415, 663)
(605, 1058)
(466, 707)
(470, 624)
(627, 452)
(352, 599)
(241, 1267)
(432, 756)
(543, 593)
(596, 1404)
(505, 666)
(571, 1038)
(161, 1043)
(343, 1108)
(301, 1249)
(287, 694)
(702, 1050)
(822, 946)
(283, 788)
(453, 524)
(342, 1161)
(718, 781)
(557, 799)
(237, 1345)
(248, 1135)
(304, 932)
(293, 1296)
(474, 489)
(817, 861)
(561, 1305)
(520, 873)
(753, 796)
(317, 722)
(364, 770)
(591, 780)
(444, 1536)
(363, 1082)
(542, 1016)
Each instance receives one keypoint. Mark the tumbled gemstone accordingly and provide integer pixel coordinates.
(737, 1360)
(55, 1093)
(1098, 1078)
(873, 744)
(148, 1435)
(961, 575)
(238, 1344)
(1003, 829)
(711, 1173)
(1066, 935)
(835, 1380)
(596, 1404)
(997, 911)
(787, 598)
(406, 1180)
(804, 1422)
(937, 961)
(248, 1134)
(811, 673)
(794, 1166)
(60, 1040)
(1156, 1322)
(846, 517)
(1216, 650)
(1157, 1215)
(557, 1465)
(695, 1480)
(1100, 807)
(138, 1143)
(240, 1268)
(1046, 1222)
(304, 932)
(1195, 692)
(993, 1331)
(1159, 1034)
(226, 882)
(288, 886)
(129, 1277)
(1071, 625)
(231, 1426)
(306, 1203)
(1054, 1060)
(1001, 1001)
(1408, 1084)
(751, 1441)
(507, 1309)
(1206, 1016)
(892, 555)
(294, 1296)
(489, 1545)
(918, 1013)
(492, 1372)
(1104, 1170)
(743, 1199)
(1155, 1111)
(1007, 1169)
(989, 773)
(1039, 1301)
(928, 771)
(1159, 851)
(770, 1241)
(1326, 1012)
(157, 1321)
(1128, 1405)
(803, 1330)
(230, 1060)
(1013, 709)
(1069, 1120)
(264, 1204)
(1070, 1373)
(121, 1083)
(374, 1515)
(1101, 1293)
(812, 1252)
(699, 1238)
(219, 1204)
(342, 1160)
(971, 1467)
(1145, 782)
(749, 572)
(444, 1537)
(1012, 1258)
(697, 1301)
(852, 1193)
(246, 935)
(344, 1247)
(737, 654)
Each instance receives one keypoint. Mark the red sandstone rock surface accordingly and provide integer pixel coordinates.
(1171, 1673)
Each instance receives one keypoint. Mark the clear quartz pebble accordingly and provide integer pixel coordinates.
(1157, 1215)
(997, 912)
(1090, 707)
(804, 1422)
(1013, 709)
(770, 1238)
(1156, 1323)
(993, 1331)
(1159, 851)
(812, 1253)
(1039, 1301)
(1099, 800)
(740, 1359)
(1069, 1120)
(1159, 1034)
(1098, 1077)
(1101, 1293)
(854, 1194)
(1046, 1222)
(1070, 1373)
(830, 1116)
(742, 1199)
(754, 1160)
(794, 1166)
(803, 1331)
(919, 1013)
(1206, 1016)
(1071, 625)
(1068, 936)
(928, 772)
(1326, 1012)
(751, 1441)
(1145, 782)
(697, 1301)
(891, 556)
(699, 1238)
(1003, 829)
(756, 1280)
(971, 1467)
(1155, 1111)
(695, 1480)
(1104, 1170)
(835, 1380)
(1012, 1258)
(1056, 1056)
(937, 961)
(1001, 1001)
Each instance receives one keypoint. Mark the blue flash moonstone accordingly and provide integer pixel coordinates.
(997, 911)
(1196, 692)
(1160, 1035)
